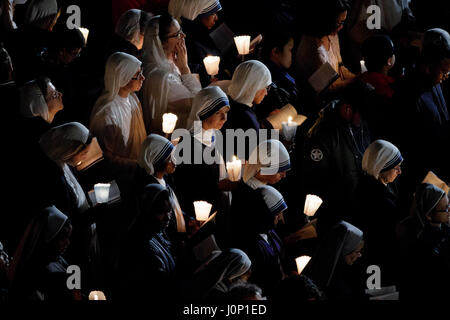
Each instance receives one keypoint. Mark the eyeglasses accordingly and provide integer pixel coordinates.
(446, 210)
(139, 76)
(177, 35)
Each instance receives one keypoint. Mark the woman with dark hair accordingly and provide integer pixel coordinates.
(170, 85)
(38, 270)
(322, 21)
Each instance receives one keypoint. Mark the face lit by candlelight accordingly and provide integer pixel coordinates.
(390, 175)
(162, 212)
(209, 21)
(354, 255)
(340, 22)
(53, 98)
(170, 166)
(283, 57)
(259, 96)
(217, 120)
(175, 36)
(441, 213)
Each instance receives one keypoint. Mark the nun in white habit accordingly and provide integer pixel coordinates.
(116, 118)
(170, 85)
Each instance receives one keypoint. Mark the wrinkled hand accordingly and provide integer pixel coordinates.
(180, 57)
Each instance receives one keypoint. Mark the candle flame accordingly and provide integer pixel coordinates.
(289, 119)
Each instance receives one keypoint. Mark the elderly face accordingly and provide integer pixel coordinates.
(354, 255)
(390, 175)
(217, 120)
(260, 94)
(53, 98)
(209, 21)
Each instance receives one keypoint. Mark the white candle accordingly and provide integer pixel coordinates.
(85, 33)
(102, 192)
(363, 66)
(288, 129)
(169, 122)
(301, 263)
(97, 295)
(312, 203)
(212, 65)
(234, 169)
(242, 44)
(202, 210)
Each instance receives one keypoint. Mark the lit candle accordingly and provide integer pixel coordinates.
(169, 122)
(363, 66)
(212, 65)
(301, 263)
(97, 295)
(85, 33)
(102, 192)
(234, 169)
(202, 210)
(288, 129)
(312, 203)
(242, 44)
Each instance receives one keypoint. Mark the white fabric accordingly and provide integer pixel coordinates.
(55, 222)
(267, 157)
(189, 9)
(273, 199)
(116, 121)
(32, 101)
(60, 144)
(249, 77)
(161, 182)
(164, 89)
(377, 155)
(153, 148)
(128, 26)
(40, 9)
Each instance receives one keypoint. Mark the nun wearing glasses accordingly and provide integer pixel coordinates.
(116, 119)
(170, 85)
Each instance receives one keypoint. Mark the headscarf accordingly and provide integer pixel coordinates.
(427, 197)
(39, 10)
(120, 69)
(32, 101)
(55, 221)
(437, 39)
(60, 144)
(155, 150)
(341, 240)
(207, 102)
(191, 9)
(380, 156)
(237, 264)
(128, 26)
(157, 70)
(273, 199)
(249, 77)
(270, 157)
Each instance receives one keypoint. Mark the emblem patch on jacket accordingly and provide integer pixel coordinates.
(316, 155)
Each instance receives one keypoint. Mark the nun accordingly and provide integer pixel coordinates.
(116, 118)
(427, 258)
(267, 166)
(266, 248)
(210, 107)
(379, 211)
(170, 85)
(157, 164)
(154, 271)
(332, 266)
(39, 270)
(197, 18)
(248, 87)
(129, 32)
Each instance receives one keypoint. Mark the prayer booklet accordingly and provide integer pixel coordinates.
(433, 179)
(287, 111)
(114, 194)
(93, 155)
(204, 249)
(308, 231)
(388, 296)
(223, 38)
(386, 293)
(323, 77)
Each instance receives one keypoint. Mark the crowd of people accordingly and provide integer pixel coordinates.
(88, 110)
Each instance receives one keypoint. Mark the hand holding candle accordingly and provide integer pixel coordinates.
(212, 65)
(169, 122)
(312, 203)
(234, 169)
(102, 192)
(363, 66)
(202, 210)
(301, 263)
(242, 44)
(289, 129)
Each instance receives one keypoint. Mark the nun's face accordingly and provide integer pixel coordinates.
(441, 214)
(340, 22)
(209, 21)
(162, 214)
(260, 94)
(136, 82)
(170, 166)
(283, 58)
(53, 98)
(217, 120)
(354, 255)
(270, 178)
(390, 175)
